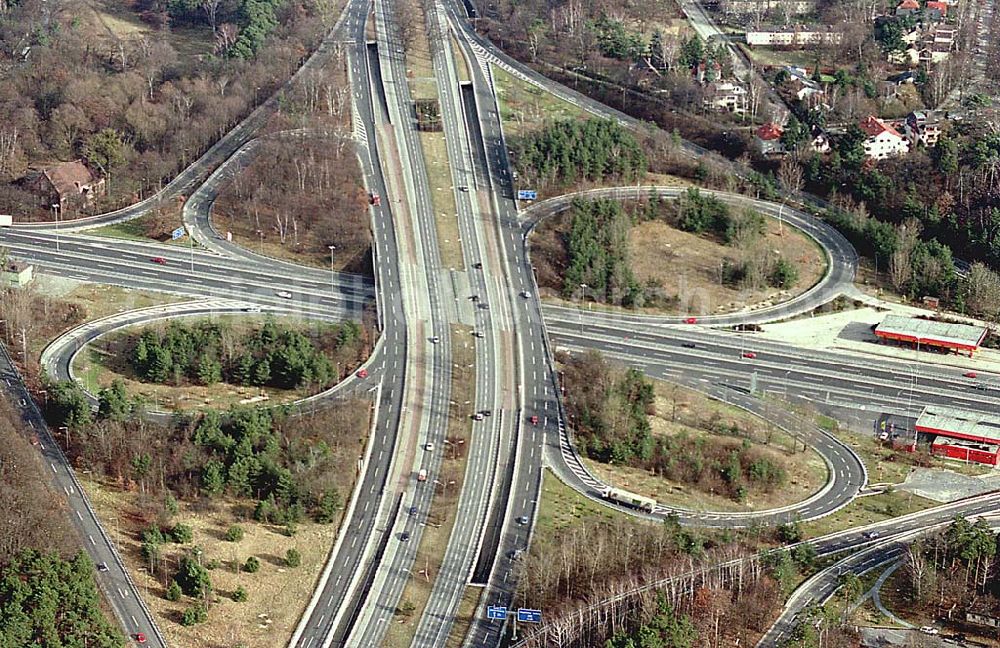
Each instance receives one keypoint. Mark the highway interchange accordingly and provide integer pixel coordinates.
(418, 300)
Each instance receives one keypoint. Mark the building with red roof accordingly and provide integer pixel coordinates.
(883, 140)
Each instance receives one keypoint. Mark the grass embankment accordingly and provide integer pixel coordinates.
(686, 267)
(681, 411)
(525, 107)
(423, 85)
(448, 486)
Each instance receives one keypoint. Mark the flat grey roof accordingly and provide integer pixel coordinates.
(974, 425)
(931, 331)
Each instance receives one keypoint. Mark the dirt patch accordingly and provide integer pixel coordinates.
(683, 411)
(687, 267)
(276, 595)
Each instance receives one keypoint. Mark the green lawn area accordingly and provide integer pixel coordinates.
(562, 507)
(524, 107)
(867, 510)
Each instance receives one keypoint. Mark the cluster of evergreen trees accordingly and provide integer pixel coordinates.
(246, 458)
(256, 20)
(570, 151)
(48, 601)
(271, 356)
(666, 629)
(597, 247)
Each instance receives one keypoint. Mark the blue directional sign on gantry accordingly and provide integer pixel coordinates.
(526, 615)
(496, 612)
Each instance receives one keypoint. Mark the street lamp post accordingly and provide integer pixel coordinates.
(333, 282)
(56, 210)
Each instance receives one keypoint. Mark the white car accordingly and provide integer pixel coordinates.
(931, 630)
(428, 447)
(284, 294)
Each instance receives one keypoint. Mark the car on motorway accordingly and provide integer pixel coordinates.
(478, 265)
(413, 510)
(515, 553)
(870, 535)
(362, 373)
(534, 420)
(522, 520)
(102, 567)
(478, 416)
(691, 320)
(428, 447)
(159, 260)
(474, 298)
(484, 305)
(463, 188)
(525, 294)
(749, 354)
(251, 309)
(435, 339)
(284, 294)
(689, 345)
(477, 334)
(422, 475)
(404, 536)
(486, 412)
(970, 374)
(931, 630)
(140, 637)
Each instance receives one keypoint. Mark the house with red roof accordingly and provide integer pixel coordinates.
(907, 8)
(936, 10)
(882, 140)
(768, 139)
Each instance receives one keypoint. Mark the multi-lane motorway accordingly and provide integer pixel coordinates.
(418, 301)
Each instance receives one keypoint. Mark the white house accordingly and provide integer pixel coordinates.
(726, 97)
(883, 140)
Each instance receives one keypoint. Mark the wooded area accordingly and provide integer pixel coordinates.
(289, 465)
(609, 408)
(134, 107)
(272, 354)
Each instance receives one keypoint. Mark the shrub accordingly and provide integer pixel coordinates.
(293, 558)
(193, 578)
(153, 535)
(234, 533)
(252, 565)
(174, 591)
(240, 594)
(181, 533)
(784, 274)
(194, 615)
(789, 532)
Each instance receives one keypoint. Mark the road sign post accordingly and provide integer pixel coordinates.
(527, 615)
(177, 233)
(496, 613)
(527, 194)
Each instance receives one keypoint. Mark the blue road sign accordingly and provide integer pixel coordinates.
(177, 233)
(527, 194)
(525, 615)
(495, 612)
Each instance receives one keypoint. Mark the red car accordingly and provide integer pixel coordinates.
(749, 354)
(362, 373)
(140, 637)
(159, 260)
(691, 320)
(969, 374)
(534, 420)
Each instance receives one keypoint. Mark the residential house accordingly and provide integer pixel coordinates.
(883, 140)
(820, 142)
(907, 8)
(767, 139)
(922, 128)
(66, 186)
(726, 96)
(794, 37)
(935, 10)
(16, 274)
(707, 72)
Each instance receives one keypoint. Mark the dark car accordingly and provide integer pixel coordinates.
(404, 536)
(487, 412)
(689, 345)
(477, 265)
(522, 520)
